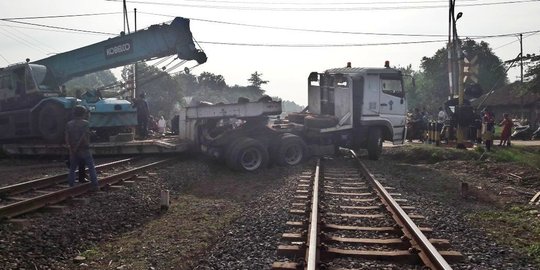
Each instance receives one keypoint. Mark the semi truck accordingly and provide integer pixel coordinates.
(351, 107)
(32, 104)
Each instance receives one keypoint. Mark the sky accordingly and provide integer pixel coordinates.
(284, 40)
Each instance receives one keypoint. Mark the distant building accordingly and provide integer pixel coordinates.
(509, 99)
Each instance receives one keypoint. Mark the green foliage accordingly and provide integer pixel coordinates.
(523, 155)
(162, 91)
(432, 87)
(533, 74)
(256, 81)
(90, 81)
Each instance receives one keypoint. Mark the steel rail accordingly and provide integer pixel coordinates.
(48, 181)
(23, 207)
(312, 252)
(427, 252)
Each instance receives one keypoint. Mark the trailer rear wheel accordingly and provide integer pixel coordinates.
(247, 154)
(52, 122)
(374, 143)
(292, 150)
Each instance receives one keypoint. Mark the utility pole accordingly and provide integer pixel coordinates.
(521, 54)
(134, 95)
(456, 78)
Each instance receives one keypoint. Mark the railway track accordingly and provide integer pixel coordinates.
(347, 219)
(22, 198)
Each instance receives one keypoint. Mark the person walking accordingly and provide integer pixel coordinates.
(78, 142)
(507, 125)
(143, 115)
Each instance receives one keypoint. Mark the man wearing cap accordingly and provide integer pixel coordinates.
(78, 142)
(143, 114)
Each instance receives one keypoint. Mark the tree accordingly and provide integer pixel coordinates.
(256, 81)
(91, 81)
(432, 85)
(211, 81)
(162, 91)
(533, 74)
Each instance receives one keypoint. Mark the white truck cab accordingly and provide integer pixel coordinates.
(370, 102)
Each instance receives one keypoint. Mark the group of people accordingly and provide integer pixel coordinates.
(77, 138)
(147, 122)
(418, 122)
(488, 129)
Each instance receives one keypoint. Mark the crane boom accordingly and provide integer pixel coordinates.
(154, 42)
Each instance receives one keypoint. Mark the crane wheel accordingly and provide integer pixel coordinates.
(374, 143)
(320, 121)
(247, 154)
(52, 122)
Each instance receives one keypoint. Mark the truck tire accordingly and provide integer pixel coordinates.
(320, 121)
(374, 143)
(52, 122)
(247, 155)
(291, 150)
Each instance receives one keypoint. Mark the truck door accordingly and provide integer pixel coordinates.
(392, 104)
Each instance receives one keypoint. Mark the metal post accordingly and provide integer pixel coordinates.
(134, 94)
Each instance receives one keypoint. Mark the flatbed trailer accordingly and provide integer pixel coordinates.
(151, 146)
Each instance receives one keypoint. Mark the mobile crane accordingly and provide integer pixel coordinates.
(32, 105)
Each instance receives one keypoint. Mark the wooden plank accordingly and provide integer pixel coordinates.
(359, 228)
(293, 236)
(285, 266)
(356, 215)
(396, 256)
(373, 207)
(291, 250)
(394, 242)
(348, 193)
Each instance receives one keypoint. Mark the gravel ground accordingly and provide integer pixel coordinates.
(220, 219)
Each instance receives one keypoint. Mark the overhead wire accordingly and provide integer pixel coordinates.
(59, 16)
(21, 40)
(326, 9)
(337, 31)
(58, 27)
(327, 3)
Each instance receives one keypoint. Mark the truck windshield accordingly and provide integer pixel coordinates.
(39, 72)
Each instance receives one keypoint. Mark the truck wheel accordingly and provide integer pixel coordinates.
(320, 121)
(52, 122)
(292, 150)
(374, 143)
(247, 155)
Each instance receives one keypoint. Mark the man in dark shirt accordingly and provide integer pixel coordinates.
(78, 142)
(143, 114)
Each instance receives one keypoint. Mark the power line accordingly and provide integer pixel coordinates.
(59, 16)
(514, 41)
(341, 32)
(62, 28)
(44, 29)
(321, 45)
(21, 40)
(323, 3)
(31, 37)
(5, 59)
(351, 8)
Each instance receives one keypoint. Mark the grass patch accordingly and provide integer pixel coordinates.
(516, 226)
(430, 154)
(523, 155)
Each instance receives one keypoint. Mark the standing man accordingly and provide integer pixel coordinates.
(441, 118)
(488, 128)
(143, 114)
(78, 142)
